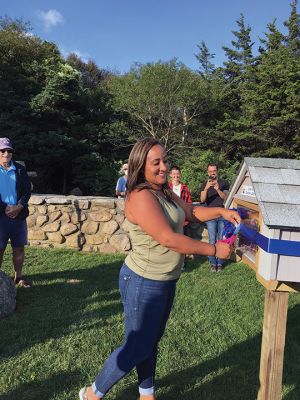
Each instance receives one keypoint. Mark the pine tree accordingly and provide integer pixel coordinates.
(240, 56)
(293, 24)
(204, 57)
(274, 38)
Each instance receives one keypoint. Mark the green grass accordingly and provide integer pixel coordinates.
(71, 319)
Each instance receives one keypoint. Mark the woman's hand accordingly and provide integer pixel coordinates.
(223, 250)
(231, 216)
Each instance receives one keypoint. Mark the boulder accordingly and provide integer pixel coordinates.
(53, 216)
(7, 295)
(68, 229)
(37, 200)
(90, 227)
(36, 235)
(42, 210)
(121, 242)
(78, 216)
(52, 227)
(41, 220)
(101, 215)
(110, 227)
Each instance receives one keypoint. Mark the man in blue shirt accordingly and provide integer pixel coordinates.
(15, 191)
(121, 184)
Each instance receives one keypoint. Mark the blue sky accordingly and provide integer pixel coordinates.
(117, 33)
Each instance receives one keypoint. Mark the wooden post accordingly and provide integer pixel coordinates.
(273, 341)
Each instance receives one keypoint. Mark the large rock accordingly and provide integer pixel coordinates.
(101, 215)
(94, 239)
(37, 200)
(110, 227)
(53, 216)
(121, 242)
(42, 209)
(78, 216)
(76, 240)
(90, 227)
(52, 227)
(7, 295)
(104, 202)
(58, 200)
(55, 237)
(68, 229)
(36, 235)
(41, 220)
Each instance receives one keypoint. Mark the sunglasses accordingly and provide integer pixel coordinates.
(4, 150)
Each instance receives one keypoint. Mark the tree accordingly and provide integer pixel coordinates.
(204, 57)
(161, 99)
(274, 39)
(293, 24)
(240, 57)
(272, 105)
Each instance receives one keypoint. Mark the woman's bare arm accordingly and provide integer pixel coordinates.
(142, 208)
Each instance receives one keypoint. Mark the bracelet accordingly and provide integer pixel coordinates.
(215, 252)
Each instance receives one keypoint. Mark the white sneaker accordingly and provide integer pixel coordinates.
(83, 393)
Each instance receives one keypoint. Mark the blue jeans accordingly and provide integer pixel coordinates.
(147, 305)
(215, 232)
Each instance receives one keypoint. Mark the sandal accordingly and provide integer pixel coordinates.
(21, 282)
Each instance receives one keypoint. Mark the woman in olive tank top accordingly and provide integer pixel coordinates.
(149, 274)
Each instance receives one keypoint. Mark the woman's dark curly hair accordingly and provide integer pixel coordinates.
(136, 167)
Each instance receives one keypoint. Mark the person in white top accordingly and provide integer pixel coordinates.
(182, 191)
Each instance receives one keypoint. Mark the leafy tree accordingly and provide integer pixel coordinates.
(91, 74)
(194, 168)
(161, 99)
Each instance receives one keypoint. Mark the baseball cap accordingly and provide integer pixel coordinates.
(5, 143)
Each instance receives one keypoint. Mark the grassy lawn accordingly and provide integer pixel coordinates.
(71, 319)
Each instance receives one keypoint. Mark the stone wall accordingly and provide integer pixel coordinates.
(83, 223)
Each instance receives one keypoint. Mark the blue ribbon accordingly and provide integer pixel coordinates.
(275, 246)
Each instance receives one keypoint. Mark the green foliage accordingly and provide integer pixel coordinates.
(204, 57)
(95, 174)
(73, 122)
(162, 98)
(194, 169)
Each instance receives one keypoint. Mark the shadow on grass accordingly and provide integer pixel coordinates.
(59, 301)
(46, 389)
(240, 381)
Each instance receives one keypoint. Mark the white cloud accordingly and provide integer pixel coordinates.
(84, 56)
(50, 18)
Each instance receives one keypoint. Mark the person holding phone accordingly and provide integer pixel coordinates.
(212, 193)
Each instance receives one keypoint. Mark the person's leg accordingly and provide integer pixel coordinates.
(143, 301)
(212, 230)
(146, 369)
(18, 237)
(4, 235)
(18, 260)
(220, 228)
